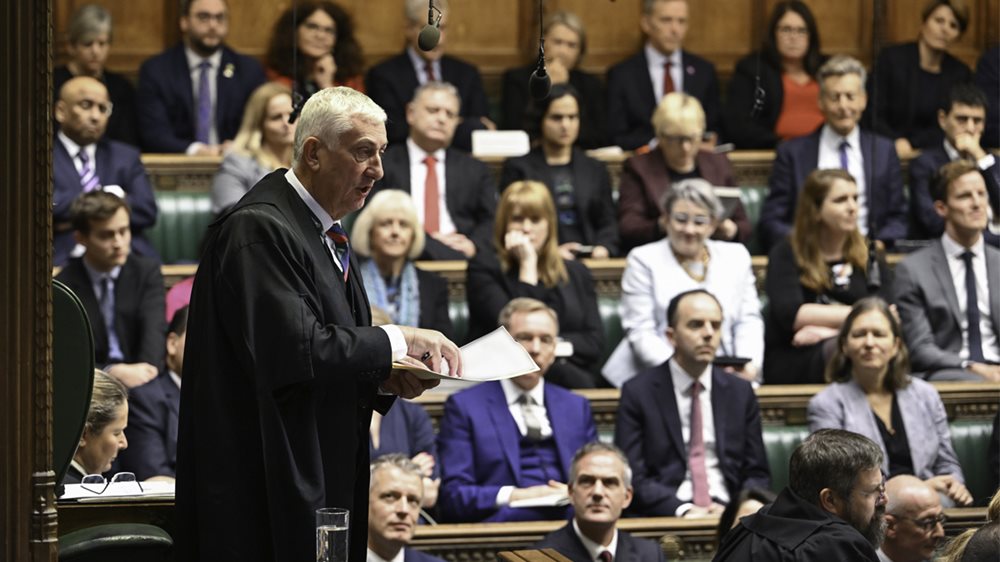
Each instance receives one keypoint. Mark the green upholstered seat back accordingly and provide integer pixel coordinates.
(779, 442)
(752, 198)
(183, 218)
(971, 440)
(608, 307)
(116, 542)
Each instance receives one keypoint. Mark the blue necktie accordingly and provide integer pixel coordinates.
(972, 310)
(108, 312)
(88, 173)
(204, 104)
(844, 145)
(339, 237)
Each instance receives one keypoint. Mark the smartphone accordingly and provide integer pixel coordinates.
(731, 361)
(583, 251)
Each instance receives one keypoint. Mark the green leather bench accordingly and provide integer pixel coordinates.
(183, 218)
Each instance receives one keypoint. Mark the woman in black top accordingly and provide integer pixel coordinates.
(104, 431)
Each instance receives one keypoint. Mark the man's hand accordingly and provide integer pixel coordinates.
(431, 486)
(208, 150)
(430, 347)
(948, 485)
(557, 71)
(488, 123)
(967, 144)
(698, 512)
(133, 374)
(728, 229)
(747, 372)
(458, 242)
(903, 147)
(989, 372)
(539, 491)
(407, 385)
(324, 70)
(425, 461)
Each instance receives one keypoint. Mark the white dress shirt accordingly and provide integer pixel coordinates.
(829, 158)
(594, 549)
(956, 265)
(512, 393)
(372, 557)
(74, 151)
(194, 67)
(418, 179)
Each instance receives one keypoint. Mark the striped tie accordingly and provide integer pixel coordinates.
(88, 174)
(339, 237)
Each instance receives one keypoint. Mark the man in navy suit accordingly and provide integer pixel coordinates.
(506, 441)
(122, 293)
(455, 194)
(637, 84)
(962, 118)
(83, 161)
(839, 143)
(600, 487)
(191, 96)
(397, 491)
(153, 411)
(691, 431)
(393, 82)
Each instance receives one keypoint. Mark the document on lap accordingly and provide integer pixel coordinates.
(553, 500)
(493, 357)
(118, 491)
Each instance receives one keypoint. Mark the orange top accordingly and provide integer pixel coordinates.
(800, 114)
(356, 82)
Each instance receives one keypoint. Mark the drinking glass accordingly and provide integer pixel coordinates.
(332, 527)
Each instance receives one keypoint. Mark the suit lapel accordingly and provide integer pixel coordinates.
(401, 163)
(663, 392)
(564, 426)
(102, 166)
(223, 87)
(453, 182)
(645, 89)
(993, 272)
(939, 265)
(810, 160)
(184, 83)
(719, 413)
(505, 429)
(874, 192)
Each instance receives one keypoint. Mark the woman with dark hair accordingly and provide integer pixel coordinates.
(813, 278)
(580, 185)
(565, 45)
(313, 47)
(910, 80)
(873, 395)
(785, 108)
(104, 431)
(527, 263)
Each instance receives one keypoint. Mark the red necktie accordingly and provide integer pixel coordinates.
(429, 69)
(432, 222)
(606, 556)
(696, 453)
(668, 80)
(339, 237)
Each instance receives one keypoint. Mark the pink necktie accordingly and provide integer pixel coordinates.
(696, 453)
(432, 220)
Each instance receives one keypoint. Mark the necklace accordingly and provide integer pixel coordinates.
(696, 269)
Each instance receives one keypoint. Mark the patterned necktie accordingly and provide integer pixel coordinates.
(432, 219)
(842, 151)
(668, 80)
(972, 310)
(531, 421)
(605, 556)
(204, 104)
(696, 453)
(429, 69)
(108, 313)
(88, 173)
(339, 237)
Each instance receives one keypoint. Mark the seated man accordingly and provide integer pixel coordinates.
(501, 442)
(394, 500)
(122, 293)
(947, 294)
(454, 194)
(691, 431)
(190, 97)
(392, 83)
(637, 84)
(839, 143)
(832, 509)
(83, 160)
(962, 117)
(914, 521)
(600, 487)
(153, 411)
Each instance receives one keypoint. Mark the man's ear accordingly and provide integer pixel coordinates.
(670, 335)
(941, 209)
(60, 112)
(890, 526)
(310, 153)
(628, 498)
(831, 502)
(942, 116)
(79, 238)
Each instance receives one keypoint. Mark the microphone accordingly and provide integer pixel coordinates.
(540, 83)
(874, 269)
(297, 102)
(431, 33)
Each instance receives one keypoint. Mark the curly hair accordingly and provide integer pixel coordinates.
(346, 50)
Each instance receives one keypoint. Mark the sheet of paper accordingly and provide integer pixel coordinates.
(117, 491)
(545, 501)
(493, 357)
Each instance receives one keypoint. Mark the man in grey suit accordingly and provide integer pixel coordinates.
(950, 311)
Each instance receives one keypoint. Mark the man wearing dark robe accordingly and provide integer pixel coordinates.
(832, 509)
(282, 367)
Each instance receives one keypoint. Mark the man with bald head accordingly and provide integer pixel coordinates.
(83, 161)
(914, 521)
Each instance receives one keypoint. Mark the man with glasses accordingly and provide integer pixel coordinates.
(832, 509)
(191, 96)
(914, 521)
(511, 441)
(83, 160)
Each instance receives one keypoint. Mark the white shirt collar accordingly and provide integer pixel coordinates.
(74, 149)
(512, 392)
(79, 467)
(325, 220)
(175, 377)
(832, 138)
(656, 58)
(683, 381)
(951, 151)
(194, 59)
(96, 276)
(594, 549)
(954, 250)
(418, 154)
(372, 557)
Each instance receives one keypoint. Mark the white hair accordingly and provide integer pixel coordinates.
(330, 113)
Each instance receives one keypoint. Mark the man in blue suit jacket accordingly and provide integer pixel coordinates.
(394, 499)
(636, 85)
(83, 160)
(501, 442)
(169, 93)
(870, 158)
(678, 471)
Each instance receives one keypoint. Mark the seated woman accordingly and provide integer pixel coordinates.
(813, 278)
(874, 395)
(263, 144)
(685, 260)
(579, 184)
(526, 263)
(679, 122)
(104, 431)
(785, 69)
(388, 234)
(313, 47)
(407, 429)
(87, 45)
(565, 45)
(912, 79)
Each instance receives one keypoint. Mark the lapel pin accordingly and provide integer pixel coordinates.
(690, 70)
(229, 70)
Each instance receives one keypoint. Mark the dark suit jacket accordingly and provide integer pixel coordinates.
(434, 302)
(645, 178)
(896, 80)
(166, 105)
(414, 555)
(988, 80)
(406, 429)
(630, 549)
(929, 309)
(797, 158)
(591, 188)
(116, 163)
(649, 432)
(470, 195)
(152, 429)
(925, 223)
(391, 85)
(520, 111)
(139, 306)
(631, 103)
(121, 123)
(480, 452)
(281, 373)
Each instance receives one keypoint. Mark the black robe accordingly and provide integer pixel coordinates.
(792, 529)
(280, 380)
